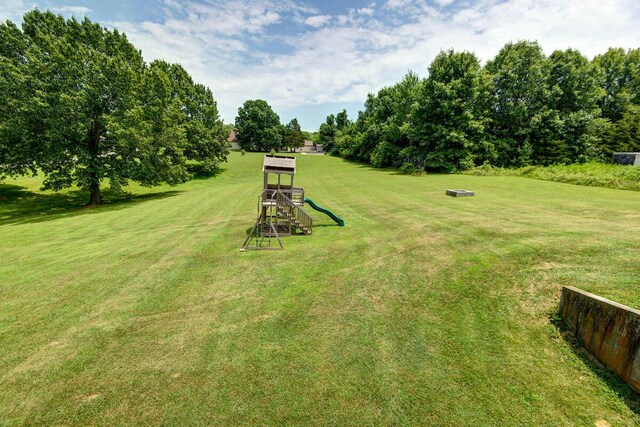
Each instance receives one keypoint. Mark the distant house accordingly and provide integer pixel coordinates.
(310, 148)
(233, 141)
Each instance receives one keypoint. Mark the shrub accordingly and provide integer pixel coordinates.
(410, 169)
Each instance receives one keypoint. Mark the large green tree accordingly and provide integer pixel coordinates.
(519, 111)
(258, 127)
(197, 114)
(633, 72)
(391, 117)
(616, 83)
(449, 124)
(327, 133)
(575, 93)
(620, 71)
(80, 106)
(380, 135)
(293, 137)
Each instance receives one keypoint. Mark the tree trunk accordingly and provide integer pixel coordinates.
(94, 198)
(94, 186)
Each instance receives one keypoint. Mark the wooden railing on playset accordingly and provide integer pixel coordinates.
(274, 207)
(300, 218)
(296, 194)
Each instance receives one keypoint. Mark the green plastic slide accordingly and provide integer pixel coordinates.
(333, 216)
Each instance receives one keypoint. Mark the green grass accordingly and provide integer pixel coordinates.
(424, 309)
(591, 174)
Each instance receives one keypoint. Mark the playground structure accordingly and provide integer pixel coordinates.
(280, 206)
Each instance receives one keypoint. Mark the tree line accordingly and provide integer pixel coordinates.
(79, 105)
(522, 107)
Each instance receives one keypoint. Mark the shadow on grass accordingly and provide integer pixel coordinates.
(392, 170)
(614, 382)
(363, 165)
(332, 225)
(200, 172)
(20, 206)
(250, 229)
(422, 175)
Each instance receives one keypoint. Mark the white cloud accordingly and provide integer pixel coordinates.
(396, 4)
(317, 21)
(73, 10)
(407, 6)
(342, 19)
(13, 10)
(343, 59)
(339, 59)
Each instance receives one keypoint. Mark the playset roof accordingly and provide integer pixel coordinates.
(279, 164)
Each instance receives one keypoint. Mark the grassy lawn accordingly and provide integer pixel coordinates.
(424, 309)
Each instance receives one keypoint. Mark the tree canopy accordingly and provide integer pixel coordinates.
(450, 123)
(627, 130)
(521, 108)
(258, 127)
(292, 136)
(79, 105)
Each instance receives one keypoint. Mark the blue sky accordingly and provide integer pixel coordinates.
(311, 58)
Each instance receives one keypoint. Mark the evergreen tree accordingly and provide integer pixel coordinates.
(625, 135)
(342, 120)
(293, 137)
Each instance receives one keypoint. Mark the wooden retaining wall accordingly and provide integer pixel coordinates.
(610, 331)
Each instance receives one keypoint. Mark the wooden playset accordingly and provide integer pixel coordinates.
(280, 206)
